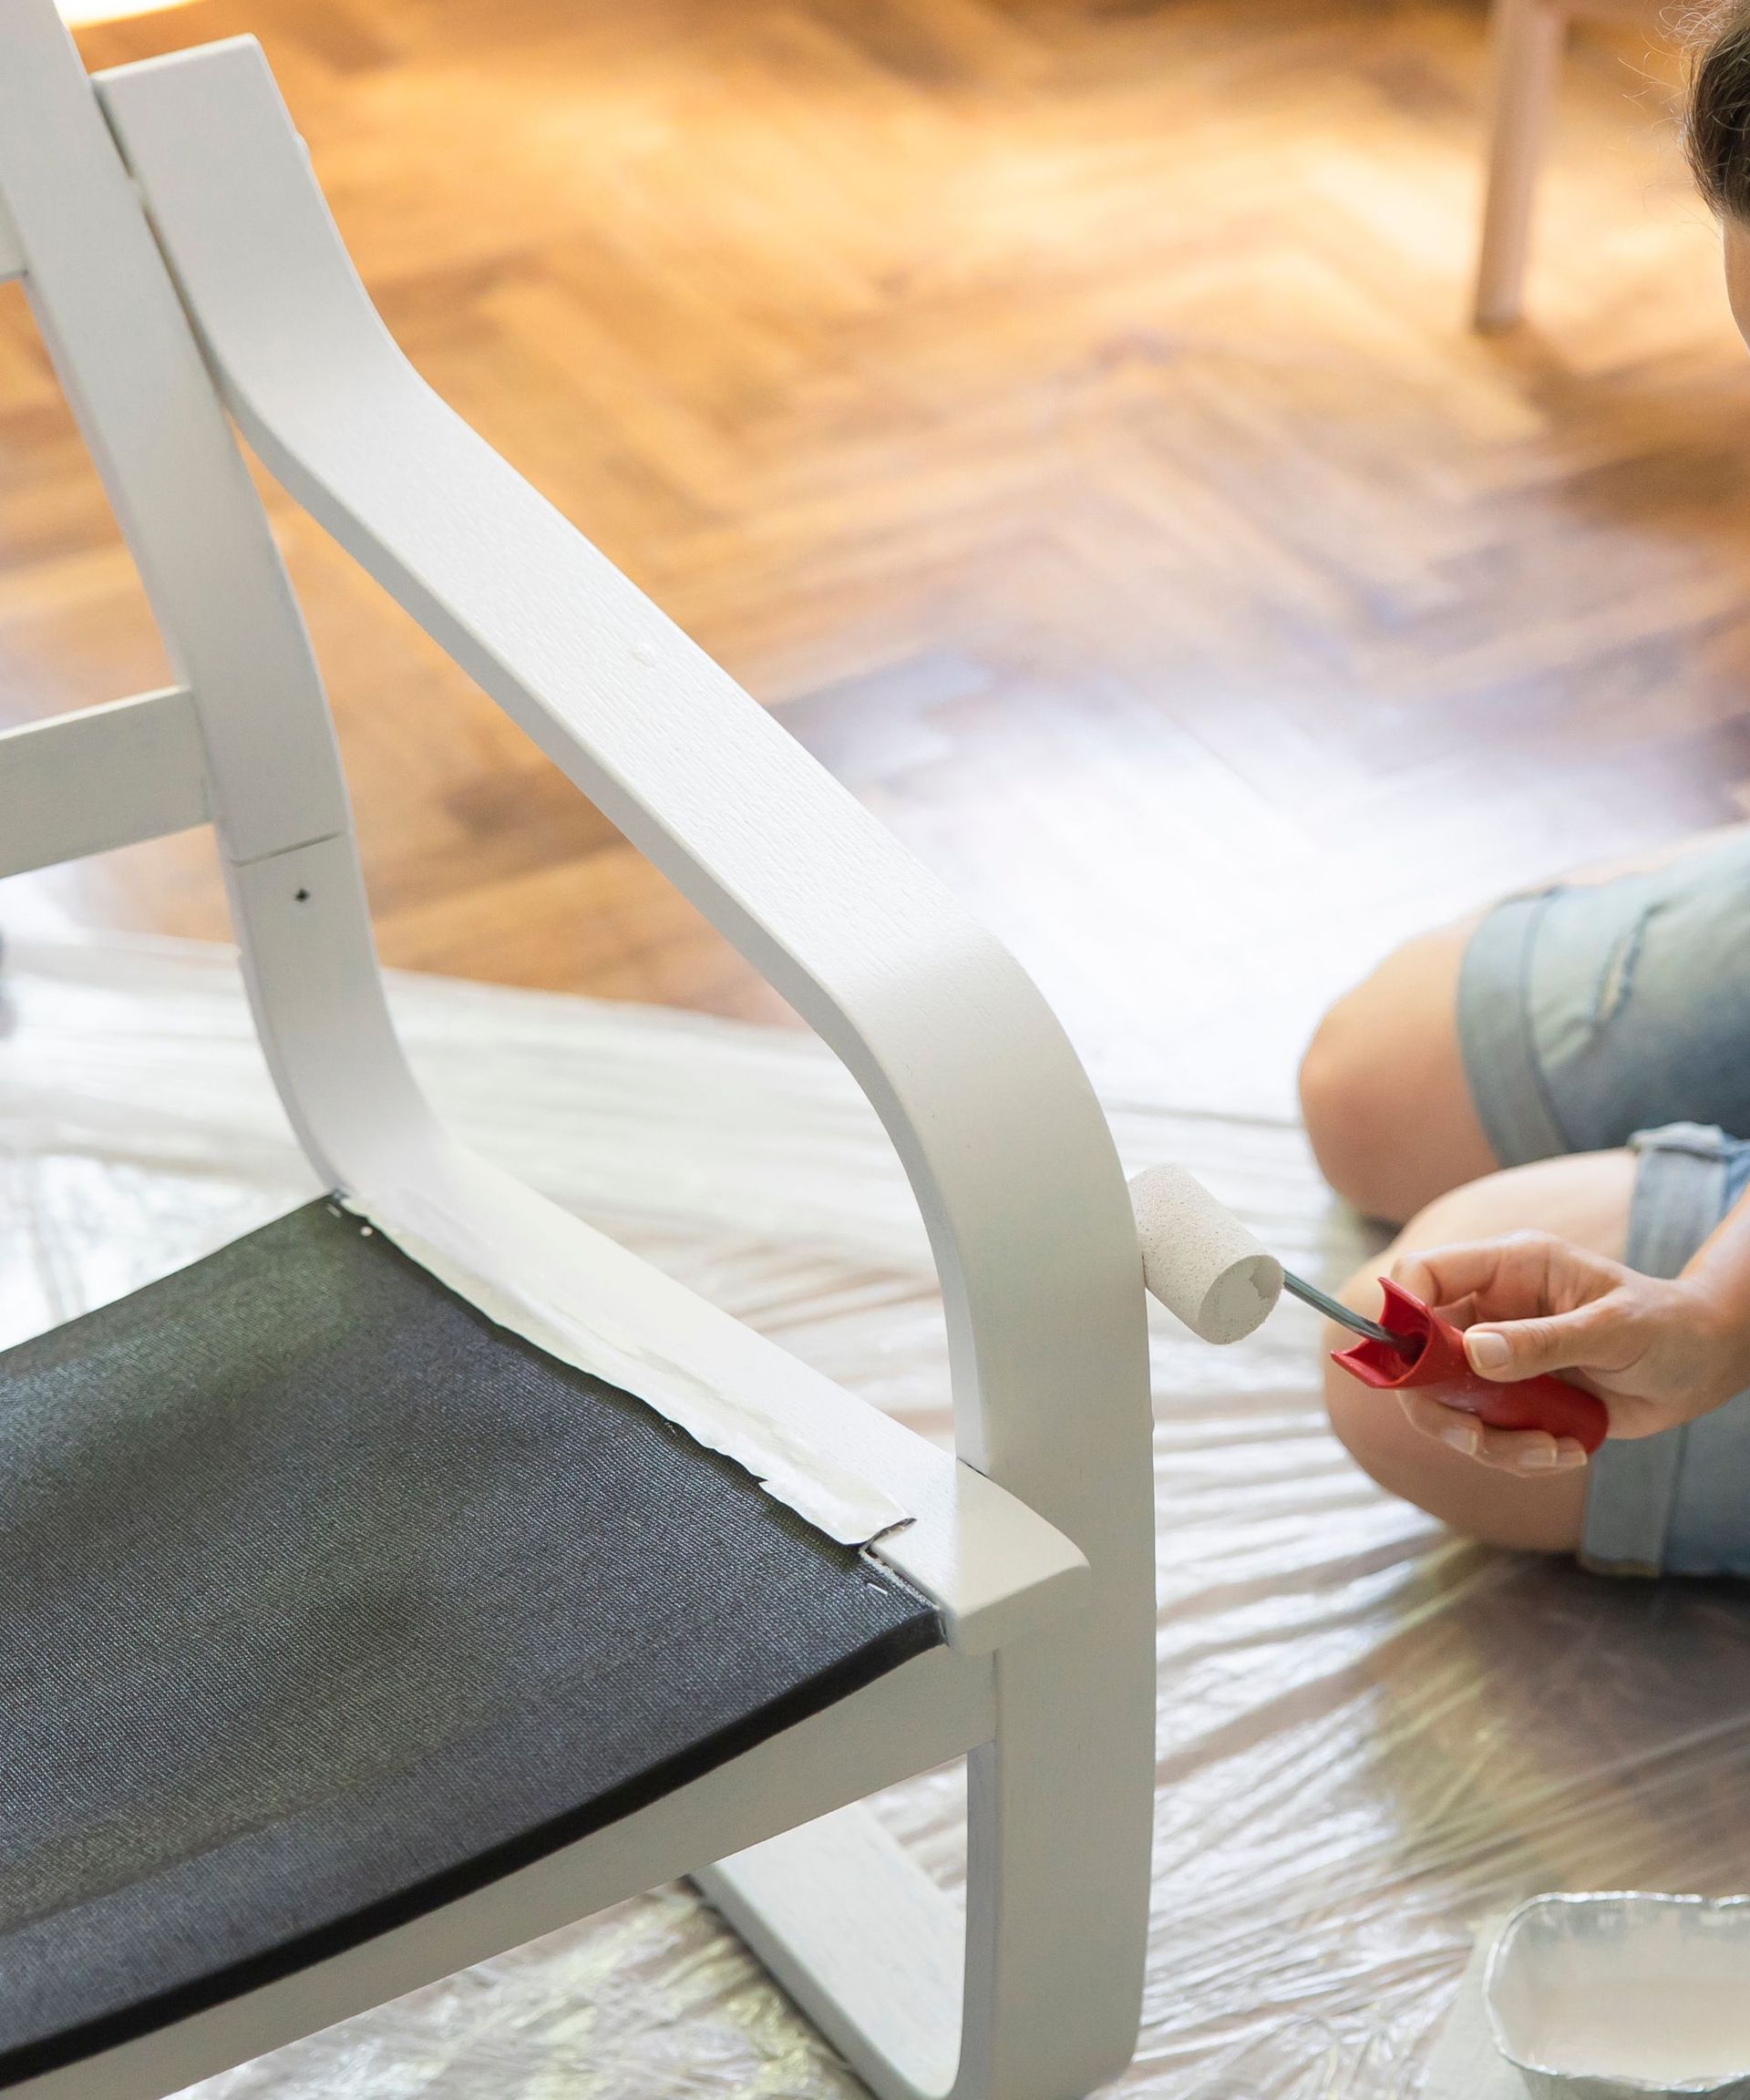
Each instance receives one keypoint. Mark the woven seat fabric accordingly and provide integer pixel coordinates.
(322, 1599)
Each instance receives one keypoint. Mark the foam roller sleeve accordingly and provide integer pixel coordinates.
(1199, 1260)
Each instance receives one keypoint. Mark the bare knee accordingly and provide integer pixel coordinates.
(1382, 1089)
(1340, 1109)
(1364, 1133)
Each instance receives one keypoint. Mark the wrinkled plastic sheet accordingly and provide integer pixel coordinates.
(1371, 1734)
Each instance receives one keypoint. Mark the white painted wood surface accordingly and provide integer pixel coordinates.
(1007, 1152)
(865, 1939)
(12, 256)
(981, 1553)
(147, 406)
(994, 1119)
(122, 350)
(103, 777)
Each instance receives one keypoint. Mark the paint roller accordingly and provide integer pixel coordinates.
(1204, 1266)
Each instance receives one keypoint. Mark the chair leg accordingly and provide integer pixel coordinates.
(1037, 1997)
(860, 1938)
(1527, 38)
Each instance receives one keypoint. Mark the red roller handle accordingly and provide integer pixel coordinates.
(1439, 1361)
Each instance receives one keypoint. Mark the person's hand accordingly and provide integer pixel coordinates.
(1657, 1352)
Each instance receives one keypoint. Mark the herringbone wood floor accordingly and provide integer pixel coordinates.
(1060, 411)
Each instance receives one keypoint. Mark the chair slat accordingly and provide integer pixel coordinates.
(108, 776)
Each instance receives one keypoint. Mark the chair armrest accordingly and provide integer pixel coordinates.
(992, 1117)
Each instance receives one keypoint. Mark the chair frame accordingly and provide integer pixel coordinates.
(181, 263)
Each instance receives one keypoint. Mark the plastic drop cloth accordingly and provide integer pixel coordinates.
(1370, 1735)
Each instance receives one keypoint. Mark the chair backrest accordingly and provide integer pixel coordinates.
(184, 270)
(245, 738)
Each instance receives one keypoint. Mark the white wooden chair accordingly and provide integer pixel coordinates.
(180, 263)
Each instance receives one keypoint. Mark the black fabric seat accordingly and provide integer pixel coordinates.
(322, 1599)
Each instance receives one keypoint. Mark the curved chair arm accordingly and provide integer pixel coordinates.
(991, 1113)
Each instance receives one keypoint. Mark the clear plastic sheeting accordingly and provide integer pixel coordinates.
(1371, 1734)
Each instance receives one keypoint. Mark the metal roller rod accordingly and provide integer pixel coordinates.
(1321, 1302)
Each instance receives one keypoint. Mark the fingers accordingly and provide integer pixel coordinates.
(1528, 1454)
(1530, 1303)
(1517, 1276)
(1530, 1348)
(1602, 1339)
(1444, 1275)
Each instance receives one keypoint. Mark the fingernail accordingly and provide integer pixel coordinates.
(1540, 1457)
(1488, 1351)
(1568, 1452)
(1462, 1437)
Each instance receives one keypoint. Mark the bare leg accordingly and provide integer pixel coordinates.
(1383, 1086)
(1585, 1199)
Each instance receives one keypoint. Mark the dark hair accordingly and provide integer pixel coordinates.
(1718, 130)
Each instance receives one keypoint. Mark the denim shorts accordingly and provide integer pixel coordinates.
(1614, 1013)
